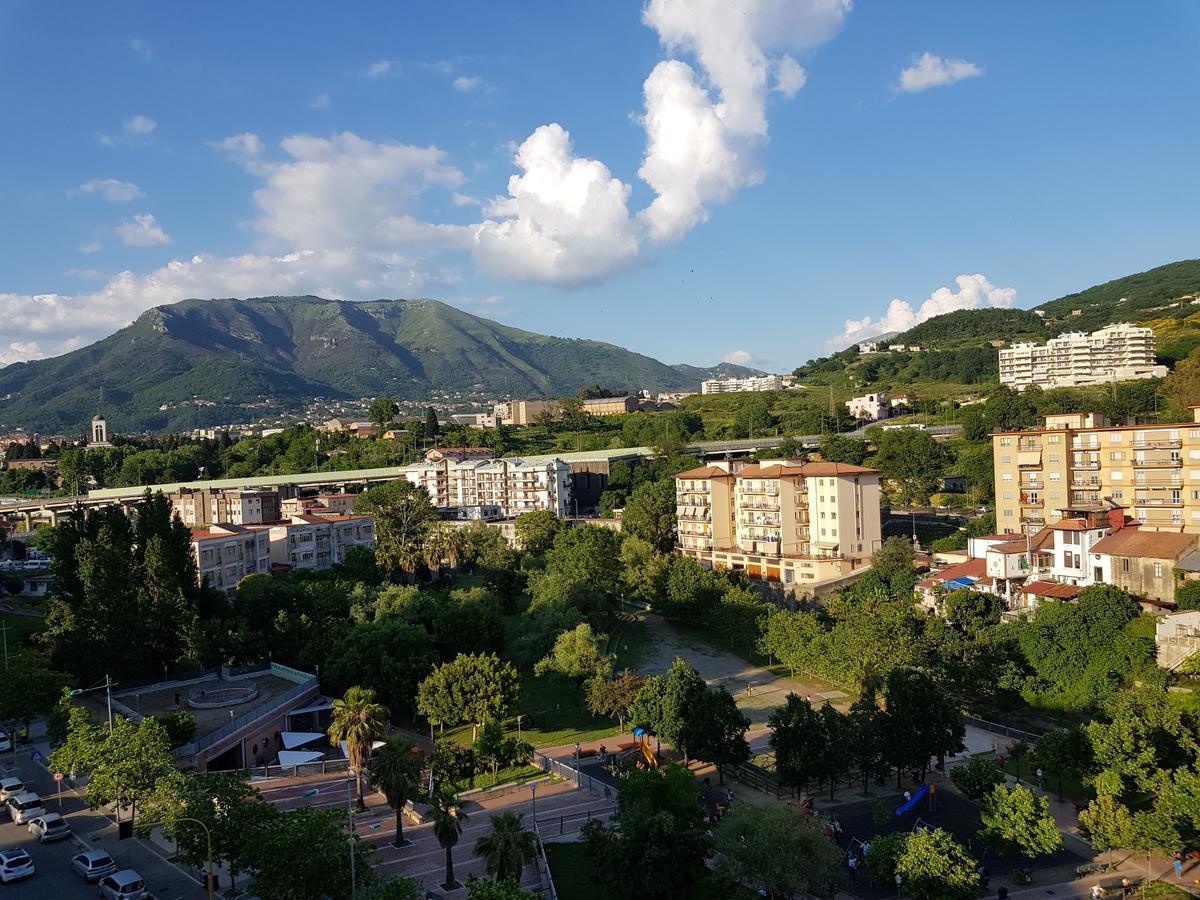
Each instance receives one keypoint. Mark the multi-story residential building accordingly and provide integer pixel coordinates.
(321, 505)
(523, 412)
(225, 554)
(783, 520)
(513, 485)
(1078, 460)
(1120, 352)
(318, 542)
(752, 383)
(200, 508)
(869, 406)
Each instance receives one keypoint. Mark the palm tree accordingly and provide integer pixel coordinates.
(442, 544)
(508, 849)
(395, 772)
(359, 720)
(448, 821)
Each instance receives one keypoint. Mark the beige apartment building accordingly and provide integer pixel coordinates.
(788, 521)
(1120, 352)
(199, 508)
(523, 412)
(225, 554)
(1080, 461)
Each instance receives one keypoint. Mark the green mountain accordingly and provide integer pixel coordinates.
(965, 327)
(199, 362)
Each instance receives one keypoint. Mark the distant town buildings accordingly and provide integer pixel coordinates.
(511, 485)
(871, 407)
(752, 383)
(786, 521)
(1120, 352)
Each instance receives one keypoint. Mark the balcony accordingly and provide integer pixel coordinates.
(1158, 501)
(1085, 497)
(1158, 462)
(1085, 463)
(1085, 483)
(703, 518)
(766, 490)
(1163, 444)
(1031, 499)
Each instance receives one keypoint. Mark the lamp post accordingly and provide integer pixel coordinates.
(533, 795)
(899, 882)
(207, 839)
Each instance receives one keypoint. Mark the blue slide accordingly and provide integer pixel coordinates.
(912, 801)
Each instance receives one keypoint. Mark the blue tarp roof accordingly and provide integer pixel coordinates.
(964, 581)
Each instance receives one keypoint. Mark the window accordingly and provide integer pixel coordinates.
(1055, 458)
(1005, 442)
(1117, 493)
(1117, 476)
(1054, 439)
(1006, 460)
(1116, 437)
(1158, 570)
(1194, 433)
(1008, 514)
(1006, 476)
(1055, 476)
(1116, 456)
(1125, 564)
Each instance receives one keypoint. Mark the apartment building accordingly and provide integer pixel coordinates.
(317, 542)
(513, 485)
(225, 554)
(341, 504)
(1120, 352)
(752, 383)
(1079, 460)
(785, 520)
(200, 508)
(872, 407)
(523, 412)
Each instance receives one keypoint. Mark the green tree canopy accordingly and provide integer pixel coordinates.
(473, 687)
(650, 514)
(1021, 819)
(781, 848)
(934, 866)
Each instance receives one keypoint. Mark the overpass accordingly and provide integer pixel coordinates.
(48, 509)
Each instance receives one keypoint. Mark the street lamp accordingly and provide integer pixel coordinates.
(899, 881)
(207, 839)
(533, 795)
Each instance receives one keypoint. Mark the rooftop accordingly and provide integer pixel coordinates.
(1051, 589)
(1133, 541)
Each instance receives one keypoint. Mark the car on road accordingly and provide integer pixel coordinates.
(50, 827)
(10, 787)
(125, 884)
(92, 865)
(24, 808)
(5, 741)
(15, 864)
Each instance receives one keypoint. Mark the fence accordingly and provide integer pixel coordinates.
(569, 773)
(276, 704)
(319, 767)
(1002, 730)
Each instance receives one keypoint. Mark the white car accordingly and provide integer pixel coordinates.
(92, 865)
(24, 808)
(5, 741)
(10, 787)
(123, 885)
(50, 827)
(15, 864)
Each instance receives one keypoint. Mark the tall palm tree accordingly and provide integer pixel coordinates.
(395, 772)
(508, 849)
(448, 820)
(359, 720)
(443, 544)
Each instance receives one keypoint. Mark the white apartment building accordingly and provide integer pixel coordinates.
(318, 542)
(869, 406)
(200, 508)
(513, 485)
(225, 554)
(1120, 352)
(783, 520)
(753, 383)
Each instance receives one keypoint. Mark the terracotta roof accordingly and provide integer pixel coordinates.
(1132, 541)
(1051, 589)
(1006, 536)
(1075, 525)
(808, 469)
(972, 568)
(705, 472)
(836, 468)
(758, 470)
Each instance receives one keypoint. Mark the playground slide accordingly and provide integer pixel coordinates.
(648, 755)
(913, 800)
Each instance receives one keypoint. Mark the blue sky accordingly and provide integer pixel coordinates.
(740, 178)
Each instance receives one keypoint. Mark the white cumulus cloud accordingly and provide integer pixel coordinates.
(139, 125)
(934, 71)
(467, 83)
(111, 189)
(974, 292)
(142, 230)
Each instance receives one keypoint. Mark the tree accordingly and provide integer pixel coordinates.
(395, 772)
(650, 514)
(390, 656)
(894, 557)
(972, 611)
(683, 692)
(432, 428)
(576, 654)
(396, 888)
(614, 696)
(839, 448)
(1021, 819)
(29, 687)
(126, 763)
(800, 743)
(920, 721)
(382, 411)
(448, 818)
(572, 414)
(508, 848)
(934, 866)
(473, 687)
(1182, 386)
(913, 461)
(583, 570)
(536, 530)
(358, 720)
(716, 732)
(977, 777)
(781, 848)
(180, 726)
(1106, 823)
(403, 514)
(231, 810)
(1062, 753)
(301, 855)
(643, 569)
(487, 889)
(1187, 595)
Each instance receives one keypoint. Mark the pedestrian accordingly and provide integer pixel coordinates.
(1177, 865)
(1001, 760)
(852, 863)
(1097, 892)
(603, 755)
(1125, 886)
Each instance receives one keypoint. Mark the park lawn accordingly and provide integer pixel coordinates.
(20, 629)
(1161, 890)
(1073, 789)
(514, 775)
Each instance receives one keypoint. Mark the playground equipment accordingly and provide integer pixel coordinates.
(642, 743)
(913, 800)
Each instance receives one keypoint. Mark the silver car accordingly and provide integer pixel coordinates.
(10, 787)
(14, 864)
(92, 865)
(123, 885)
(50, 827)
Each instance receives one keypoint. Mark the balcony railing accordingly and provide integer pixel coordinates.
(1163, 462)
(1161, 481)
(1085, 464)
(1031, 500)
(1158, 501)
(1163, 444)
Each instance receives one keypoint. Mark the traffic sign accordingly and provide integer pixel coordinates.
(35, 754)
(58, 776)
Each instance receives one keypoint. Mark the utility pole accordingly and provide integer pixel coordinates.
(4, 634)
(108, 695)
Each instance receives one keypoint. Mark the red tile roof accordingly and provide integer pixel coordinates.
(1052, 589)
(1132, 541)
(972, 568)
(705, 472)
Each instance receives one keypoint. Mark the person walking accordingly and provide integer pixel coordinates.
(1097, 892)
(1177, 864)
(1126, 884)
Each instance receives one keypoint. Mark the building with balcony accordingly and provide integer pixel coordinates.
(225, 554)
(317, 542)
(1080, 461)
(1120, 352)
(787, 521)
(513, 485)
(872, 407)
(201, 508)
(752, 383)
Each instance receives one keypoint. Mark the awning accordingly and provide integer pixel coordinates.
(959, 583)
(298, 757)
(1029, 458)
(293, 739)
(320, 706)
(374, 746)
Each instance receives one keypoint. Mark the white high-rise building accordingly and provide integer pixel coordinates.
(1120, 352)
(513, 485)
(753, 383)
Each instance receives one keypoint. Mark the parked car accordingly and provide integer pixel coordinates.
(5, 741)
(15, 864)
(92, 865)
(50, 827)
(10, 787)
(24, 808)
(125, 884)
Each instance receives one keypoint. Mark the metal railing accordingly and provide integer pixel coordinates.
(1004, 730)
(263, 709)
(320, 767)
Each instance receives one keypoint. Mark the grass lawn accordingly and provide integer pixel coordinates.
(504, 776)
(1159, 890)
(20, 628)
(717, 640)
